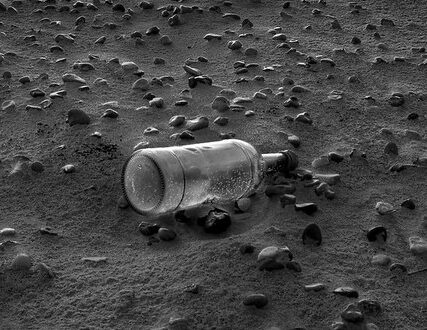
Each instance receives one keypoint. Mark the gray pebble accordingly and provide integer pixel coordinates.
(166, 234)
(256, 299)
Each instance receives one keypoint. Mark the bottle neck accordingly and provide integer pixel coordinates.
(272, 160)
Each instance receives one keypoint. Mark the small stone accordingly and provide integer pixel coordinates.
(174, 20)
(369, 307)
(22, 262)
(216, 222)
(304, 118)
(312, 235)
(418, 246)
(44, 270)
(197, 123)
(148, 229)
(356, 41)
(165, 40)
(330, 194)
(377, 234)
(243, 204)
(335, 157)
(221, 104)
(212, 36)
(315, 287)
(292, 102)
(192, 71)
(409, 204)
(177, 120)
(192, 288)
(7, 232)
(307, 208)
(330, 179)
(234, 44)
(387, 22)
(110, 113)
(122, 202)
(279, 189)
(287, 199)
(151, 131)
(47, 231)
(257, 299)
(249, 113)
(221, 121)
(8, 106)
(70, 168)
(272, 257)
(398, 268)
(352, 316)
(384, 208)
(380, 260)
(347, 292)
(181, 103)
(413, 116)
(186, 135)
(391, 148)
(178, 323)
(336, 25)
(37, 167)
(157, 102)
(251, 52)
(146, 5)
(78, 117)
(166, 234)
(299, 89)
(396, 100)
(247, 24)
(246, 248)
(152, 30)
(141, 84)
(71, 77)
(293, 265)
(294, 140)
(94, 259)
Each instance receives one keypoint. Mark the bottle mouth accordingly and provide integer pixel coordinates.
(143, 183)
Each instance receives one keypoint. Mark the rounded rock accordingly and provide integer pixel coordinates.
(22, 262)
(312, 235)
(256, 299)
(166, 234)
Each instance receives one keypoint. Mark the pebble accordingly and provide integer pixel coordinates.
(78, 117)
(384, 208)
(256, 299)
(396, 100)
(44, 270)
(8, 106)
(273, 257)
(178, 323)
(409, 204)
(165, 40)
(197, 123)
(294, 140)
(335, 157)
(212, 36)
(243, 204)
(234, 44)
(398, 268)
(279, 189)
(353, 317)
(71, 77)
(157, 102)
(148, 228)
(151, 131)
(216, 222)
(307, 208)
(94, 259)
(251, 52)
(177, 120)
(110, 113)
(292, 102)
(192, 71)
(221, 104)
(47, 231)
(386, 22)
(166, 234)
(37, 167)
(70, 168)
(221, 121)
(330, 179)
(287, 199)
(22, 262)
(7, 232)
(418, 246)
(249, 113)
(299, 89)
(391, 148)
(312, 235)
(347, 292)
(315, 287)
(293, 265)
(186, 135)
(377, 234)
(141, 84)
(246, 248)
(24, 80)
(380, 260)
(304, 118)
(368, 307)
(152, 31)
(129, 66)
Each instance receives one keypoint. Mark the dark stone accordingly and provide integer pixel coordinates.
(280, 189)
(152, 30)
(216, 222)
(413, 116)
(148, 229)
(409, 204)
(181, 217)
(356, 41)
(149, 96)
(312, 235)
(246, 23)
(119, 7)
(378, 233)
(146, 5)
(396, 100)
(186, 135)
(369, 307)
(396, 266)
(352, 316)
(391, 148)
(335, 157)
(307, 208)
(287, 199)
(78, 117)
(293, 265)
(257, 299)
(192, 83)
(246, 248)
(47, 231)
(347, 292)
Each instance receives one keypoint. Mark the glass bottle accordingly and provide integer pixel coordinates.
(162, 180)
